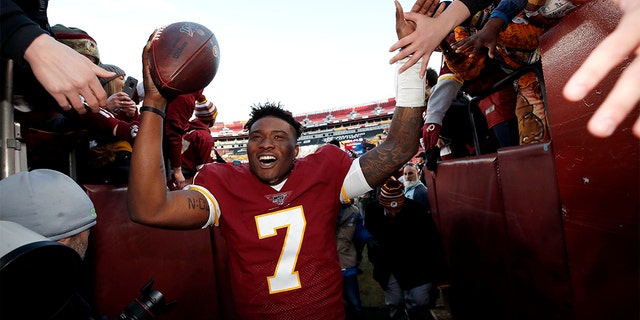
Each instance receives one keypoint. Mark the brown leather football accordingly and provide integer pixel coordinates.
(183, 58)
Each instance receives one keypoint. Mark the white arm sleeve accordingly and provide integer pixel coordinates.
(354, 183)
(214, 208)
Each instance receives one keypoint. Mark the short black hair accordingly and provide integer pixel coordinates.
(432, 77)
(335, 142)
(261, 110)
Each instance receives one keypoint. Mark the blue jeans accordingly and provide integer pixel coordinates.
(351, 295)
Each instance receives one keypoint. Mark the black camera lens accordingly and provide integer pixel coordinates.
(147, 306)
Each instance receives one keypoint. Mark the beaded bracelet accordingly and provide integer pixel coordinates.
(154, 110)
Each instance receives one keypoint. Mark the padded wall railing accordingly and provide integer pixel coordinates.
(501, 221)
(124, 255)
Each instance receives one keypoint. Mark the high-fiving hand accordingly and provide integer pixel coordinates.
(624, 41)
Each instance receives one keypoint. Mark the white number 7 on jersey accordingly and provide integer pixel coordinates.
(285, 277)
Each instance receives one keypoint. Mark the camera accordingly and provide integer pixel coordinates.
(147, 306)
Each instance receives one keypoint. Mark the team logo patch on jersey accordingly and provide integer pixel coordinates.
(278, 198)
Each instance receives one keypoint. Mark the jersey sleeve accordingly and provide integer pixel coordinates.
(354, 183)
(214, 207)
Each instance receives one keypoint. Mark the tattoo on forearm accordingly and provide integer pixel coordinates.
(401, 144)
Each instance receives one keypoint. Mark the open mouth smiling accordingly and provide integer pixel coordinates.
(267, 160)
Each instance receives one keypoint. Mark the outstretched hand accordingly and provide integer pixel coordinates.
(67, 75)
(403, 27)
(613, 50)
(486, 37)
(429, 8)
(428, 31)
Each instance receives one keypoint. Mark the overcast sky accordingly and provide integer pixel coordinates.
(308, 55)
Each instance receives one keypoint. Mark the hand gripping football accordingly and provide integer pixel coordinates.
(183, 58)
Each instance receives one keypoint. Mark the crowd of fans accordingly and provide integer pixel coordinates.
(98, 145)
(99, 130)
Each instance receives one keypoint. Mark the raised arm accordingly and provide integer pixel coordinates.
(404, 133)
(399, 147)
(149, 201)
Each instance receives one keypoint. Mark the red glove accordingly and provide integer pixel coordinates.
(430, 135)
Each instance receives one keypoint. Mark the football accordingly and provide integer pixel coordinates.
(183, 58)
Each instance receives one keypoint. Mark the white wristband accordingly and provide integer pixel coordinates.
(411, 90)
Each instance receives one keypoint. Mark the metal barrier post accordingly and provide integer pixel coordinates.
(8, 142)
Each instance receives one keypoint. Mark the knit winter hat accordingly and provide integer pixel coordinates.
(391, 194)
(112, 68)
(77, 39)
(206, 110)
(47, 202)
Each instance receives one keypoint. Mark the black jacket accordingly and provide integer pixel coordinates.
(22, 22)
(409, 245)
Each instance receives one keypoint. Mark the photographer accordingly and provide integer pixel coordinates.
(54, 206)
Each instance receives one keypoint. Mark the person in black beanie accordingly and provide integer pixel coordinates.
(408, 258)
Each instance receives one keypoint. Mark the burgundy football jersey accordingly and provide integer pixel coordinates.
(282, 246)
